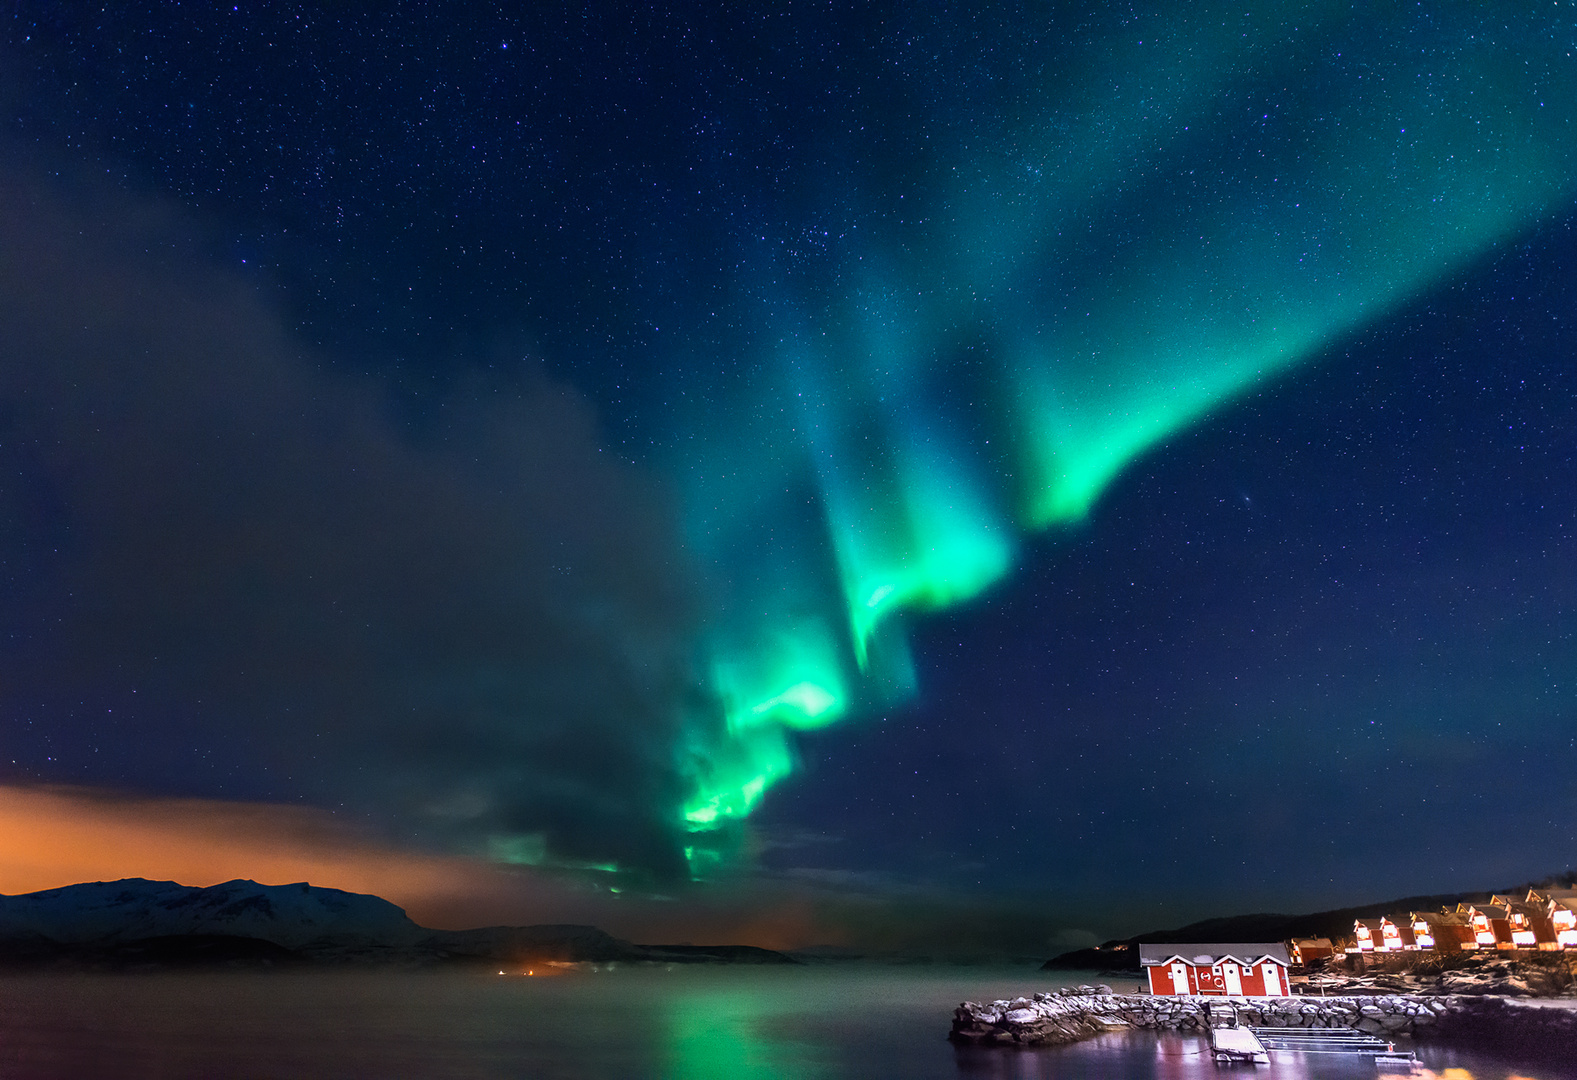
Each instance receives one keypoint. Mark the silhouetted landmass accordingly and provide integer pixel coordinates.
(137, 924)
(566, 943)
(1120, 955)
(714, 954)
(184, 950)
(581, 944)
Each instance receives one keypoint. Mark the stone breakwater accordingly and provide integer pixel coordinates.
(1074, 1014)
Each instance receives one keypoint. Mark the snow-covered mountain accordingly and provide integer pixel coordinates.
(134, 909)
(140, 924)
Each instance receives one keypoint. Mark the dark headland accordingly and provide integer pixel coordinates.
(137, 924)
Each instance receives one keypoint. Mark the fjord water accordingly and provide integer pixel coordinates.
(851, 1022)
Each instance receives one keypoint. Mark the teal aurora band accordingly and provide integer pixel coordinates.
(1086, 272)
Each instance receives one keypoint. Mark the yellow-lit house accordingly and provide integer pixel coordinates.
(1491, 924)
(1377, 935)
(1559, 906)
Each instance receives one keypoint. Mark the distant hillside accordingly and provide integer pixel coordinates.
(581, 943)
(139, 923)
(1120, 954)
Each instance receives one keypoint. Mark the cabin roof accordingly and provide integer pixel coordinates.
(1523, 907)
(1547, 900)
(1213, 953)
(1487, 907)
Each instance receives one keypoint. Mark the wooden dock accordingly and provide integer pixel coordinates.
(1237, 1045)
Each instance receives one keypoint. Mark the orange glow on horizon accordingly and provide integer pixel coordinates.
(51, 836)
(55, 836)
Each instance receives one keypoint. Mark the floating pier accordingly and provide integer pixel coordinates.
(1335, 1041)
(1237, 1045)
(1323, 1040)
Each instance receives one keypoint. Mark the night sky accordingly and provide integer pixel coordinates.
(998, 475)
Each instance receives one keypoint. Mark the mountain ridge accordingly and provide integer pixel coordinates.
(138, 922)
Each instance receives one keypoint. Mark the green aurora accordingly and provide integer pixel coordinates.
(1095, 267)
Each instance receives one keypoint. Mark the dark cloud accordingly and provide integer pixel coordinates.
(228, 572)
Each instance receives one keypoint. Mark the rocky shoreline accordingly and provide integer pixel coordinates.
(1495, 1024)
(1522, 973)
(1076, 1013)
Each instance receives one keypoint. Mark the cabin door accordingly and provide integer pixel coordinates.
(1234, 980)
(1272, 980)
(1180, 978)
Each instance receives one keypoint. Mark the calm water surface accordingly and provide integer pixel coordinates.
(813, 1023)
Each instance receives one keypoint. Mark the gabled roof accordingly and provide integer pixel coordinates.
(1213, 953)
(1523, 907)
(1489, 911)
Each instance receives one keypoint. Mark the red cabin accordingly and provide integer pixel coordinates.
(1530, 925)
(1453, 932)
(1258, 970)
(1306, 950)
(1491, 925)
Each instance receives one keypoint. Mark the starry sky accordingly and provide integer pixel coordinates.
(999, 475)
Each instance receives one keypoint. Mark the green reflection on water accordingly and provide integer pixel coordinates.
(726, 1034)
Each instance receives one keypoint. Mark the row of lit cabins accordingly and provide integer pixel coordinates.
(1545, 920)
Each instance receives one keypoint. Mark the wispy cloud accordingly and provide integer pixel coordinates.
(470, 628)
